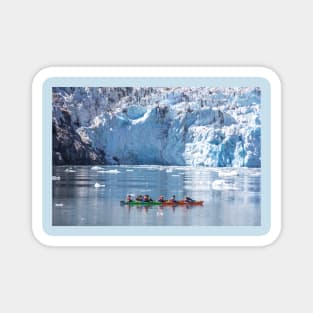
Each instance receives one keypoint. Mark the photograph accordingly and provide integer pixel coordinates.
(156, 156)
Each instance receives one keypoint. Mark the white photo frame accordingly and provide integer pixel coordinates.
(51, 235)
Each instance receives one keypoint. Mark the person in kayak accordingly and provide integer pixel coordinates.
(146, 198)
(129, 199)
(188, 200)
(139, 198)
(173, 199)
(161, 199)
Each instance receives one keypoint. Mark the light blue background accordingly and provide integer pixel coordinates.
(157, 82)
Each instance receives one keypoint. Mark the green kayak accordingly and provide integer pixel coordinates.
(140, 203)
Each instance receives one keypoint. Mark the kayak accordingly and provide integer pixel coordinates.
(166, 203)
(140, 203)
(182, 202)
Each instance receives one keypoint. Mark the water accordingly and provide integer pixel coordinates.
(86, 195)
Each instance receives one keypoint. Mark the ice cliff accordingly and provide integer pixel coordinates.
(171, 126)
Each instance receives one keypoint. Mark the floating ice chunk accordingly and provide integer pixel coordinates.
(56, 178)
(96, 168)
(101, 171)
(169, 170)
(69, 170)
(129, 170)
(112, 171)
(228, 173)
(59, 204)
(97, 185)
(255, 174)
(221, 184)
(175, 175)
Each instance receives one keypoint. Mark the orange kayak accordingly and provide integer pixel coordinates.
(166, 203)
(182, 202)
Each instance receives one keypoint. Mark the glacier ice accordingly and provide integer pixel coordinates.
(193, 126)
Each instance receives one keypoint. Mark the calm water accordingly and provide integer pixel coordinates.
(83, 195)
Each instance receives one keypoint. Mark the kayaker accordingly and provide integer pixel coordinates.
(146, 198)
(188, 200)
(129, 198)
(173, 199)
(161, 199)
(139, 198)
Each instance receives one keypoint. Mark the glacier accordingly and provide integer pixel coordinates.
(193, 126)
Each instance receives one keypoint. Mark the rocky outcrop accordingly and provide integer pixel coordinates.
(68, 147)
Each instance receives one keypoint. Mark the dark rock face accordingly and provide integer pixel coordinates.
(68, 148)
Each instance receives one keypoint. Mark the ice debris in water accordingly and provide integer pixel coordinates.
(255, 174)
(221, 184)
(69, 170)
(97, 185)
(96, 168)
(228, 173)
(56, 178)
(112, 171)
(59, 204)
(129, 170)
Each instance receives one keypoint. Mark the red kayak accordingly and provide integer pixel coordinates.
(182, 202)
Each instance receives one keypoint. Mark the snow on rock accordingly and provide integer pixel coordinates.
(215, 127)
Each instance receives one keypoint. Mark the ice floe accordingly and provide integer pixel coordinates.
(228, 173)
(97, 168)
(112, 171)
(69, 170)
(221, 184)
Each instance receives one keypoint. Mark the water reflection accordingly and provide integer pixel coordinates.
(231, 197)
